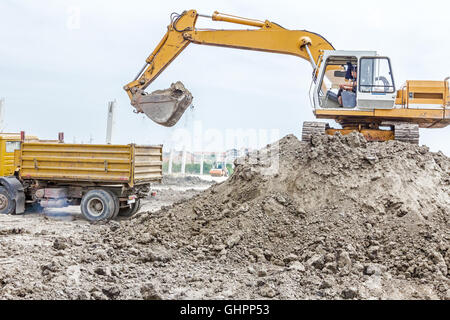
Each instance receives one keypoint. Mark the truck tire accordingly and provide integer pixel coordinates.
(116, 204)
(97, 205)
(14, 189)
(7, 203)
(130, 211)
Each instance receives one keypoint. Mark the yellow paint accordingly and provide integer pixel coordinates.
(239, 20)
(7, 158)
(121, 164)
(426, 118)
(270, 37)
(423, 92)
(369, 134)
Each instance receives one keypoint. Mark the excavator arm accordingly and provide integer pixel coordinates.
(166, 106)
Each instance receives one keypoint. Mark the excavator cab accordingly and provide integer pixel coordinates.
(375, 82)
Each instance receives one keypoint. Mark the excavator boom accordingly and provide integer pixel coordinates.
(167, 106)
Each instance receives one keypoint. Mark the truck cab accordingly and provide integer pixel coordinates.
(9, 142)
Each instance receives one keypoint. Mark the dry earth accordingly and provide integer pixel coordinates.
(339, 218)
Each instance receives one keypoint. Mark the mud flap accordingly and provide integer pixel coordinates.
(164, 107)
(16, 191)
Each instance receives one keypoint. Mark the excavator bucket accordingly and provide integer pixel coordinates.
(164, 107)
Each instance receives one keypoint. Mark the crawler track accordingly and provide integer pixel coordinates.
(310, 128)
(406, 132)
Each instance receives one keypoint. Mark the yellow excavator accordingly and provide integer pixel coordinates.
(354, 88)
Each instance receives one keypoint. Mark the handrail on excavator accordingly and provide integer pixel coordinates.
(447, 89)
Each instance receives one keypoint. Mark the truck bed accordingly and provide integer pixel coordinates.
(121, 164)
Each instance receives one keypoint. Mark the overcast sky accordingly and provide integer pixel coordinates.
(62, 61)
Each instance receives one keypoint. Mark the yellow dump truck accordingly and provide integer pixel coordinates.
(105, 180)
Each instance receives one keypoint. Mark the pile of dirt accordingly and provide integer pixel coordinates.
(336, 218)
(170, 196)
(339, 218)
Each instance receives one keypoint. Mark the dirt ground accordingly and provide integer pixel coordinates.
(338, 218)
(57, 254)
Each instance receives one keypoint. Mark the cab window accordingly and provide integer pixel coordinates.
(375, 75)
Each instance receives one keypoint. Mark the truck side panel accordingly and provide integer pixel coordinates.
(76, 162)
(147, 164)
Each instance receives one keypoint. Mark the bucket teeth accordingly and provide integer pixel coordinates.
(164, 107)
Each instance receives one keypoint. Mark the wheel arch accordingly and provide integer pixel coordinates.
(16, 190)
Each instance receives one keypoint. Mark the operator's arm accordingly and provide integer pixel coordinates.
(269, 37)
(348, 87)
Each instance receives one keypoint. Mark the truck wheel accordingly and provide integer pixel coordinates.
(116, 204)
(97, 205)
(7, 204)
(131, 210)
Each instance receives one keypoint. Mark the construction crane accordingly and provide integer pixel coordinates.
(375, 106)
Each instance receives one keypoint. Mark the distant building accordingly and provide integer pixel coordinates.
(178, 157)
(208, 157)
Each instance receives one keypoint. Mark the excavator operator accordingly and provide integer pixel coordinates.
(352, 72)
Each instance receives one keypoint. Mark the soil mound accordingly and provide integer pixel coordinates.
(336, 218)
